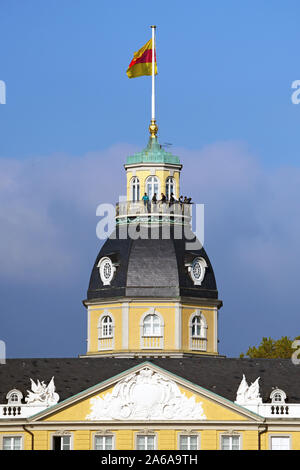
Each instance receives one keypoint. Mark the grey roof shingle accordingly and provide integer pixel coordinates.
(218, 374)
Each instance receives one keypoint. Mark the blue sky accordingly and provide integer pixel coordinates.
(72, 116)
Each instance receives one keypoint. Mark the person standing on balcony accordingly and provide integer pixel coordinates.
(146, 201)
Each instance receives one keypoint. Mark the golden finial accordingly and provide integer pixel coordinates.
(153, 128)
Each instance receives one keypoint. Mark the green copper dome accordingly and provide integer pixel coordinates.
(153, 153)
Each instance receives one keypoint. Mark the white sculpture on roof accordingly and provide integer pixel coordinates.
(42, 394)
(145, 395)
(248, 395)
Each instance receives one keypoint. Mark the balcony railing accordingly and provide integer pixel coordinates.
(274, 410)
(198, 344)
(152, 342)
(19, 411)
(105, 343)
(139, 208)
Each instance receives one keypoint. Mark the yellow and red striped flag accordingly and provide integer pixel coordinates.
(141, 63)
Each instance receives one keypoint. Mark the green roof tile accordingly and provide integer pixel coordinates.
(153, 153)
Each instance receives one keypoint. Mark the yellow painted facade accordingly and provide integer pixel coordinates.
(166, 439)
(161, 173)
(127, 332)
(222, 418)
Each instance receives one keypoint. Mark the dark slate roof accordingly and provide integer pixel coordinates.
(218, 374)
(152, 268)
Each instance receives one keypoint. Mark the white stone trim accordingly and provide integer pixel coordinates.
(216, 329)
(125, 325)
(178, 326)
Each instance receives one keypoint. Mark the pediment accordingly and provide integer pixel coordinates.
(146, 393)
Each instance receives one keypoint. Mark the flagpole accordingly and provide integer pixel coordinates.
(153, 127)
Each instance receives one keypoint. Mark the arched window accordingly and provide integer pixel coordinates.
(135, 189)
(152, 330)
(278, 396)
(198, 327)
(152, 186)
(170, 187)
(152, 325)
(198, 331)
(106, 335)
(14, 397)
(106, 327)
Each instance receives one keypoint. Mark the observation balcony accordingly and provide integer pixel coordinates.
(153, 213)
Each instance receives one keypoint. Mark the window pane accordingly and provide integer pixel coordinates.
(193, 443)
(280, 443)
(12, 443)
(145, 442)
(103, 443)
(225, 443)
(150, 442)
(235, 442)
(141, 442)
(66, 443)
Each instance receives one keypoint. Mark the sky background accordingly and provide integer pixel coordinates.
(71, 117)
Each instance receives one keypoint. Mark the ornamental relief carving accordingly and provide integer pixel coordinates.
(145, 395)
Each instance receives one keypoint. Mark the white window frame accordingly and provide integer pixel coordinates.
(62, 435)
(11, 393)
(101, 265)
(152, 181)
(189, 435)
(135, 189)
(280, 436)
(277, 392)
(104, 436)
(101, 336)
(12, 436)
(231, 436)
(170, 183)
(160, 336)
(145, 435)
(203, 330)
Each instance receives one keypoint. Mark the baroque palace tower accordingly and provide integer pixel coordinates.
(152, 290)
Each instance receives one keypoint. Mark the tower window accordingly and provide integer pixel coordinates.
(152, 325)
(152, 186)
(135, 189)
(152, 330)
(106, 331)
(198, 331)
(170, 187)
(198, 327)
(107, 327)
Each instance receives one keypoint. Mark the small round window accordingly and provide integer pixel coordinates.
(197, 270)
(106, 270)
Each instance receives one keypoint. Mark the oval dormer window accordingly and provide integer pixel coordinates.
(106, 270)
